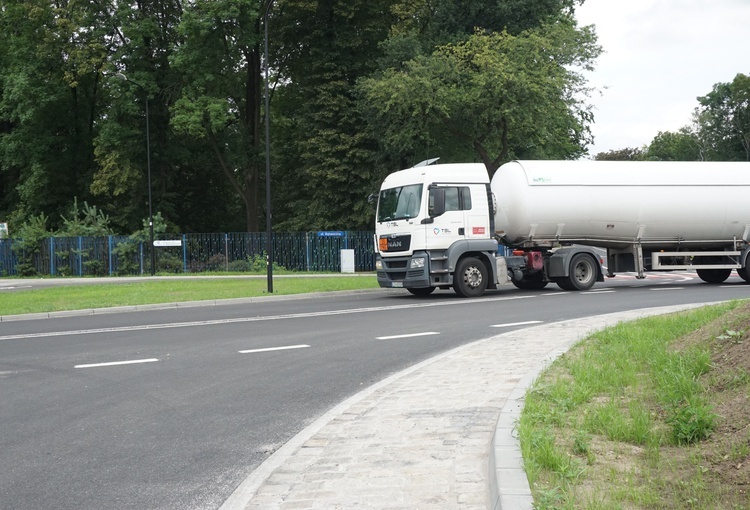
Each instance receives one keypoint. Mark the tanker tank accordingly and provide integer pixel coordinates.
(615, 204)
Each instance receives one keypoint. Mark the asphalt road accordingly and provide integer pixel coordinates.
(173, 408)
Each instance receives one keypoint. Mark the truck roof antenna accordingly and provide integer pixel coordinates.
(425, 162)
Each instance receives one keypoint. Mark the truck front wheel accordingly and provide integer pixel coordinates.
(470, 279)
(744, 273)
(421, 291)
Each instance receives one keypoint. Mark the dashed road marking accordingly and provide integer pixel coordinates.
(116, 363)
(271, 349)
(511, 324)
(410, 335)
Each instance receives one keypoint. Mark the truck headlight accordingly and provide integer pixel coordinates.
(379, 265)
(417, 263)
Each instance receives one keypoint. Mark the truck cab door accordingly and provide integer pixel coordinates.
(447, 209)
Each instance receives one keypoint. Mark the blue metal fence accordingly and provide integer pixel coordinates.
(188, 253)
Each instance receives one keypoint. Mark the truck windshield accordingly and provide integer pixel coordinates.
(399, 203)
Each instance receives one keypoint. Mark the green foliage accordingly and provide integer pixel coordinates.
(723, 120)
(627, 154)
(692, 420)
(220, 102)
(50, 62)
(683, 145)
(501, 96)
(28, 240)
(85, 221)
(127, 253)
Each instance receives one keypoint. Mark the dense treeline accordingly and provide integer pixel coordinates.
(720, 130)
(358, 88)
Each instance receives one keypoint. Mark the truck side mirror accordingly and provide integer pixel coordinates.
(437, 202)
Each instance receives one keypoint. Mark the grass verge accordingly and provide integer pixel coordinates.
(77, 297)
(650, 414)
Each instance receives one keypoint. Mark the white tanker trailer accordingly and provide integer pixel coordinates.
(441, 226)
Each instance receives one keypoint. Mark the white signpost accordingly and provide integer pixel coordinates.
(167, 242)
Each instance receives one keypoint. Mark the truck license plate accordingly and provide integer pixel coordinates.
(397, 284)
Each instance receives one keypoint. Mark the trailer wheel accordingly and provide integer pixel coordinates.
(744, 273)
(582, 274)
(421, 291)
(470, 279)
(713, 275)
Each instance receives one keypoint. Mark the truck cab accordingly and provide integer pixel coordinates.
(434, 230)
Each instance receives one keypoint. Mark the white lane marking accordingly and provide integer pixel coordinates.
(116, 363)
(270, 349)
(411, 335)
(595, 292)
(256, 319)
(667, 288)
(511, 324)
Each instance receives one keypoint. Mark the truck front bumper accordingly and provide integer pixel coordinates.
(404, 272)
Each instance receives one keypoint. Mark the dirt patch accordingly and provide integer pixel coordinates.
(722, 461)
(727, 452)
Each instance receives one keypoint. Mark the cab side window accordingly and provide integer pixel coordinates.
(457, 198)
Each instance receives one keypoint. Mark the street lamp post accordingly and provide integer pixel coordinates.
(269, 253)
(148, 171)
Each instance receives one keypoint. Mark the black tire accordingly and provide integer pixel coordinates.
(583, 273)
(532, 282)
(564, 283)
(713, 275)
(470, 279)
(421, 291)
(744, 273)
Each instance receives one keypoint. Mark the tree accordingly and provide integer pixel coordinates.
(723, 120)
(503, 96)
(680, 146)
(328, 167)
(627, 154)
(144, 39)
(220, 102)
(51, 59)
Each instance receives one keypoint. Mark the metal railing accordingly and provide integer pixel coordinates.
(187, 253)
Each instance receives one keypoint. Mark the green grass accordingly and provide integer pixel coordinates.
(615, 422)
(77, 297)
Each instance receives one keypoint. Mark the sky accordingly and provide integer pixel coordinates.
(659, 56)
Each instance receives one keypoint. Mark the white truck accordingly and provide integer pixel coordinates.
(446, 225)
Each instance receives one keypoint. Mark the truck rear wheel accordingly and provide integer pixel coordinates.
(421, 291)
(713, 275)
(582, 275)
(531, 282)
(470, 279)
(744, 273)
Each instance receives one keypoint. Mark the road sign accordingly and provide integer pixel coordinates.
(168, 242)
